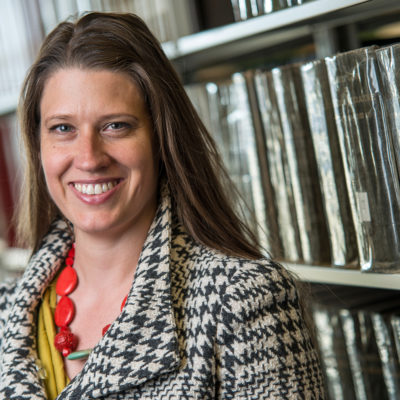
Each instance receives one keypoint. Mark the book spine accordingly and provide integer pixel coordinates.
(351, 333)
(387, 352)
(388, 61)
(225, 110)
(395, 326)
(333, 353)
(241, 129)
(278, 169)
(329, 164)
(270, 204)
(302, 166)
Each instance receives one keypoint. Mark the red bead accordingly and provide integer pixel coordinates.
(65, 342)
(65, 312)
(71, 252)
(69, 261)
(67, 281)
(123, 302)
(105, 329)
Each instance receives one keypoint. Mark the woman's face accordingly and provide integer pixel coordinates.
(96, 144)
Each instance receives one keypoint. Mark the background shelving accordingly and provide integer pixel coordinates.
(305, 14)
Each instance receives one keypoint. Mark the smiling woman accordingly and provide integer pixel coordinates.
(143, 282)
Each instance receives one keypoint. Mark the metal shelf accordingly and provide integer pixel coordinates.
(336, 276)
(224, 35)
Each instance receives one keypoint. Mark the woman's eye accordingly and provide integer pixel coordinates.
(61, 128)
(117, 126)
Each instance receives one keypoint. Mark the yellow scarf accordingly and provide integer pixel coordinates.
(52, 361)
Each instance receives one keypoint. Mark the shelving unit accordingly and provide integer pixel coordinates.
(214, 45)
(315, 18)
(225, 35)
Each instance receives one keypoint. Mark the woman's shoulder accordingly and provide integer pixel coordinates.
(246, 270)
(248, 277)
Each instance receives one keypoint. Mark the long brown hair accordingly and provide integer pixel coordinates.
(189, 161)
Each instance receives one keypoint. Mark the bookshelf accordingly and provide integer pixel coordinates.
(309, 19)
(315, 18)
(304, 14)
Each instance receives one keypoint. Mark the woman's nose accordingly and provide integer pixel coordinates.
(90, 153)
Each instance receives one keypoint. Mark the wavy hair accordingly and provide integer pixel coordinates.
(189, 160)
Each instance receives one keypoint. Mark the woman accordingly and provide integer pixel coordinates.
(123, 205)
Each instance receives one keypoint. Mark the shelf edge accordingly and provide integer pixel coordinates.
(241, 30)
(330, 275)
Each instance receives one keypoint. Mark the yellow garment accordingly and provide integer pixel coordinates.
(52, 361)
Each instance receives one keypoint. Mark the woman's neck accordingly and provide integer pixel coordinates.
(103, 262)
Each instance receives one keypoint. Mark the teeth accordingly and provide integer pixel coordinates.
(97, 188)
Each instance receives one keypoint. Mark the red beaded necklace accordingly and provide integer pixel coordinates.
(65, 341)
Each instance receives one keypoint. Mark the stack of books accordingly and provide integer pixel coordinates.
(329, 157)
(245, 9)
(359, 343)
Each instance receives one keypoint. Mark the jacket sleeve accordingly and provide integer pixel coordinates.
(265, 348)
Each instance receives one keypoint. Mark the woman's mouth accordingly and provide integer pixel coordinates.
(95, 188)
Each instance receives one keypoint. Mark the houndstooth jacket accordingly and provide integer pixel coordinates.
(197, 325)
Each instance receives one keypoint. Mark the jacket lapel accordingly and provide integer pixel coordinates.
(142, 343)
(20, 370)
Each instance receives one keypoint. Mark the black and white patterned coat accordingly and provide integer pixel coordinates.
(197, 325)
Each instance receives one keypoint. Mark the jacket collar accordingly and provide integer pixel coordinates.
(142, 342)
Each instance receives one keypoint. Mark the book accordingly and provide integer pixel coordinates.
(365, 144)
(388, 67)
(387, 352)
(265, 173)
(324, 137)
(363, 354)
(225, 110)
(355, 307)
(395, 326)
(243, 158)
(302, 165)
(333, 353)
(240, 8)
(277, 164)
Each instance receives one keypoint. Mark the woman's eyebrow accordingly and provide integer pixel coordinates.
(57, 117)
